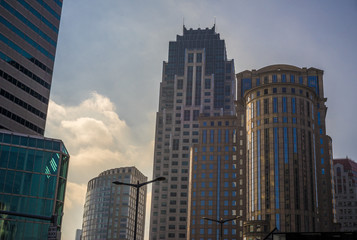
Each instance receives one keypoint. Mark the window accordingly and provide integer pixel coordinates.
(275, 105)
(186, 115)
(190, 58)
(179, 84)
(207, 83)
(283, 78)
(199, 57)
(274, 79)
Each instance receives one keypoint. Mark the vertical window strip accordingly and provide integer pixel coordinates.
(198, 85)
(293, 105)
(219, 135)
(204, 136)
(277, 216)
(295, 140)
(276, 168)
(284, 104)
(218, 188)
(258, 108)
(258, 158)
(318, 118)
(189, 86)
(227, 136)
(314, 149)
(252, 170)
(275, 105)
(212, 136)
(286, 142)
(252, 110)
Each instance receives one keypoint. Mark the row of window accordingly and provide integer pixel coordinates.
(312, 81)
(21, 121)
(22, 104)
(28, 23)
(25, 71)
(25, 54)
(23, 87)
(38, 15)
(27, 38)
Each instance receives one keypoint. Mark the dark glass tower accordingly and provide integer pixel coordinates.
(28, 39)
(197, 80)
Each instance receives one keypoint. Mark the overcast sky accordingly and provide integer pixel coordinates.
(109, 65)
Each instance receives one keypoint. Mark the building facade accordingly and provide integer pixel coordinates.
(346, 193)
(288, 162)
(28, 39)
(197, 79)
(109, 210)
(217, 177)
(33, 176)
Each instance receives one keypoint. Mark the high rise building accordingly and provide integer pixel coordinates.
(217, 189)
(28, 39)
(288, 162)
(109, 210)
(346, 193)
(33, 176)
(198, 79)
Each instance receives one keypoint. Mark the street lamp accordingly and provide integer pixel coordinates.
(221, 222)
(137, 186)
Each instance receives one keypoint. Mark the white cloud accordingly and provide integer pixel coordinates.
(97, 140)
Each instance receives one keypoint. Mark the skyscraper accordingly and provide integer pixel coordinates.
(28, 35)
(198, 79)
(289, 184)
(109, 210)
(346, 193)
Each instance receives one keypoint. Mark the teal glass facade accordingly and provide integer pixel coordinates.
(33, 176)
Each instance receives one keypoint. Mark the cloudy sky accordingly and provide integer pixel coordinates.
(109, 65)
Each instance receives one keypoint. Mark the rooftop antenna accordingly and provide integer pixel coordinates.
(214, 24)
(183, 24)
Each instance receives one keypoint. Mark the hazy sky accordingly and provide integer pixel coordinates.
(109, 65)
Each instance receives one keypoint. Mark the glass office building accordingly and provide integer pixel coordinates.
(33, 176)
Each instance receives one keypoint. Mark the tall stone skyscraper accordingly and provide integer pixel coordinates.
(288, 162)
(197, 80)
(28, 39)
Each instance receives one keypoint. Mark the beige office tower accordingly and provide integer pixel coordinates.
(288, 162)
(197, 79)
(217, 177)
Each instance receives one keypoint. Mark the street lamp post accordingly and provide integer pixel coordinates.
(137, 186)
(221, 222)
